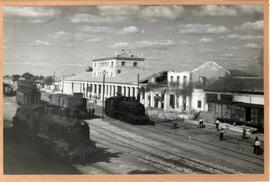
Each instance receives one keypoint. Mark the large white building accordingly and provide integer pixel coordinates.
(123, 73)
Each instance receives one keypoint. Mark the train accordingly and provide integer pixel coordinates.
(60, 126)
(127, 109)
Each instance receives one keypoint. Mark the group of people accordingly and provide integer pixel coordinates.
(91, 112)
(256, 145)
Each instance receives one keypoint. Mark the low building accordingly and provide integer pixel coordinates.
(181, 89)
(237, 99)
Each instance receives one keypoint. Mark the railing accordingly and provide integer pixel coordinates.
(153, 86)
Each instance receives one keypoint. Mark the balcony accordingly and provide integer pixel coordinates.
(156, 85)
(177, 86)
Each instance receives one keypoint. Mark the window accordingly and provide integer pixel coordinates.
(199, 104)
(135, 64)
(112, 63)
(118, 71)
(95, 64)
(123, 63)
(178, 79)
(185, 79)
(171, 78)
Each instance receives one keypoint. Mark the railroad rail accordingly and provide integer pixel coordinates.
(194, 164)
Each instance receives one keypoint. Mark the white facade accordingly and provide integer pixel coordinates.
(199, 100)
(178, 77)
(94, 90)
(115, 65)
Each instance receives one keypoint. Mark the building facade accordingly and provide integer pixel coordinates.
(238, 100)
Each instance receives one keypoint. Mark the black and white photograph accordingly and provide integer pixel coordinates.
(133, 89)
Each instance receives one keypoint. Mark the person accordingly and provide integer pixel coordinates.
(89, 113)
(93, 112)
(217, 124)
(201, 123)
(221, 134)
(257, 146)
(244, 132)
(175, 125)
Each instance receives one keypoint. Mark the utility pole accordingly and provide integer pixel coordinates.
(138, 87)
(103, 93)
(63, 84)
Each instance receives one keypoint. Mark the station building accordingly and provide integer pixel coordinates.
(180, 89)
(123, 74)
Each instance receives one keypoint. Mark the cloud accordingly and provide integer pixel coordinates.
(184, 42)
(202, 29)
(258, 25)
(111, 14)
(221, 10)
(250, 9)
(130, 30)
(118, 11)
(231, 48)
(161, 45)
(215, 10)
(242, 37)
(252, 46)
(97, 29)
(40, 43)
(87, 37)
(60, 35)
(205, 40)
(118, 45)
(152, 13)
(30, 14)
(88, 18)
(146, 44)
(78, 36)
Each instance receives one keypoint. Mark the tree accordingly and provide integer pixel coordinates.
(15, 78)
(89, 69)
(28, 76)
(49, 80)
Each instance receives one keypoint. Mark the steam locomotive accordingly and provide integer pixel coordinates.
(59, 125)
(126, 109)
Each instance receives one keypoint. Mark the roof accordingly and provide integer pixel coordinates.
(119, 58)
(194, 66)
(126, 77)
(235, 73)
(237, 84)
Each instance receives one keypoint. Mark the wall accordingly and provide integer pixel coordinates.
(211, 70)
(107, 65)
(249, 98)
(181, 76)
(199, 95)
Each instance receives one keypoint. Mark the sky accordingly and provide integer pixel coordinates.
(63, 40)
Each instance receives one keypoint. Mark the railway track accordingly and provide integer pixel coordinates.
(159, 166)
(217, 148)
(207, 145)
(193, 164)
(252, 159)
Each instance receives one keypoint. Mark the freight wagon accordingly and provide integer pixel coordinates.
(74, 104)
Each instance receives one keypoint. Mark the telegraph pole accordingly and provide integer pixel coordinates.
(138, 87)
(103, 93)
